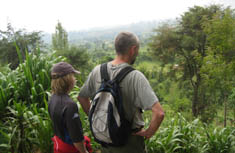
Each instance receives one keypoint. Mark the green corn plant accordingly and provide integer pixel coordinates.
(30, 82)
(166, 140)
(42, 131)
(17, 128)
(35, 77)
(220, 141)
(5, 89)
(25, 122)
(26, 129)
(180, 137)
(4, 139)
(190, 138)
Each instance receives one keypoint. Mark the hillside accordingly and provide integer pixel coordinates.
(142, 29)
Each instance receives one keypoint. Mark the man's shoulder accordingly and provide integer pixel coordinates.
(134, 78)
(96, 69)
(136, 74)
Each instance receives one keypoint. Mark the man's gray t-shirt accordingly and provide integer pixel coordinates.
(136, 91)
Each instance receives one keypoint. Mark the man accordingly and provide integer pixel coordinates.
(136, 92)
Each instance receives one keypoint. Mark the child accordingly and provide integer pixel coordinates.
(63, 111)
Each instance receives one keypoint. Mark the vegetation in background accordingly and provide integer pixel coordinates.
(192, 72)
(181, 136)
(24, 92)
(218, 67)
(76, 55)
(24, 40)
(60, 38)
(186, 48)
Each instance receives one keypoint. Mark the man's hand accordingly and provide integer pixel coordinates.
(143, 133)
(157, 117)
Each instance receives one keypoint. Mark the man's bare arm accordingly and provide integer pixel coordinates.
(157, 118)
(85, 103)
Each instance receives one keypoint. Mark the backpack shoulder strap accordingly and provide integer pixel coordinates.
(121, 75)
(104, 72)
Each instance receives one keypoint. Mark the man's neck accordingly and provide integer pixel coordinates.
(119, 60)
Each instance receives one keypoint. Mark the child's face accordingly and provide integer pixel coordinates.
(74, 80)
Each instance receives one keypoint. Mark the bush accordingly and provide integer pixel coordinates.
(30, 82)
(25, 123)
(26, 129)
(181, 136)
(221, 141)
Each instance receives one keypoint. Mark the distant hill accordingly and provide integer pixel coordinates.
(142, 29)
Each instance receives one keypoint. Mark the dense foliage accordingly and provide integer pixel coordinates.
(25, 41)
(199, 51)
(190, 65)
(24, 94)
(181, 136)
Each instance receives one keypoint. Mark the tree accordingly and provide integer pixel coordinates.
(25, 41)
(79, 58)
(218, 69)
(60, 38)
(184, 47)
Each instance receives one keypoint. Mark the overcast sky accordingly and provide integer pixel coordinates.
(43, 15)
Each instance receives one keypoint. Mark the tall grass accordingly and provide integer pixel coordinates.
(30, 82)
(25, 126)
(221, 141)
(182, 136)
(26, 129)
(25, 123)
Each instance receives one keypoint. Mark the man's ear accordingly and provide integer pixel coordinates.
(132, 50)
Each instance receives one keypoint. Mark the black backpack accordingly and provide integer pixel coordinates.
(107, 119)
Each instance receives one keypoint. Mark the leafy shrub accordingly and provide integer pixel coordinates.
(25, 123)
(221, 141)
(26, 129)
(30, 82)
(181, 136)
